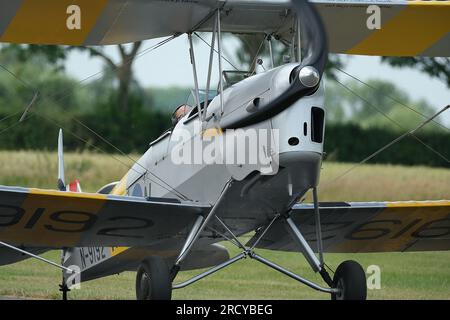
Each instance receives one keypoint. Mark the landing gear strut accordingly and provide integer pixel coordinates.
(154, 280)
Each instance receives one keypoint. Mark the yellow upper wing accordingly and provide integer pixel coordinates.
(407, 28)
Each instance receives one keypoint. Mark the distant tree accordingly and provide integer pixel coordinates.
(345, 106)
(36, 71)
(123, 69)
(56, 55)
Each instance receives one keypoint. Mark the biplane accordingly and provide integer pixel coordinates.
(165, 216)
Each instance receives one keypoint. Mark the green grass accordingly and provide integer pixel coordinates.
(403, 275)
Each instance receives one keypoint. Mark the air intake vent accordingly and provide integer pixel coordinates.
(317, 121)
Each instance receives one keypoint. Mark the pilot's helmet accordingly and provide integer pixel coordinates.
(180, 112)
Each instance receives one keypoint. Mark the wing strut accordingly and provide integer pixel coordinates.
(196, 230)
(63, 286)
(219, 47)
(37, 257)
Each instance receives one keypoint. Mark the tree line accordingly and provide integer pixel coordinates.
(129, 116)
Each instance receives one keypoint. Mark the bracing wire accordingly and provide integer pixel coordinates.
(380, 150)
(10, 115)
(135, 161)
(384, 114)
(14, 124)
(101, 72)
(153, 47)
(24, 83)
(57, 124)
(140, 54)
(410, 133)
(215, 50)
(390, 97)
(227, 60)
(84, 80)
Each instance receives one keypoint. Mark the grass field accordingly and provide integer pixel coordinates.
(403, 275)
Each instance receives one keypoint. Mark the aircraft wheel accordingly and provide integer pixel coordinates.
(153, 281)
(350, 278)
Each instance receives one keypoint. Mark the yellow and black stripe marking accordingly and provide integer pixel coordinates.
(408, 28)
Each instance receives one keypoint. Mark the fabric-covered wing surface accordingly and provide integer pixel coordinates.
(408, 28)
(54, 219)
(368, 227)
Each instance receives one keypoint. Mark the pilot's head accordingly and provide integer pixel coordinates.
(180, 112)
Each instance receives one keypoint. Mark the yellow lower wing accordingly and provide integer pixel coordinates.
(369, 227)
(56, 219)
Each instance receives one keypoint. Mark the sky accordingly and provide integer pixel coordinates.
(169, 65)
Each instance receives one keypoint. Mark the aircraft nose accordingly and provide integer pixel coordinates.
(302, 126)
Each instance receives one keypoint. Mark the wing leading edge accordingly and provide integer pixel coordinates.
(368, 227)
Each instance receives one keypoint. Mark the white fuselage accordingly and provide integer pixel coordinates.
(257, 193)
(156, 172)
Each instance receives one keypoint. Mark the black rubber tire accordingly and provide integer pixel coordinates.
(351, 279)
(153, 281)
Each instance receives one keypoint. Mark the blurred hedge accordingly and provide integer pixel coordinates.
(351, 143)
(130, 133)
(133, 132)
